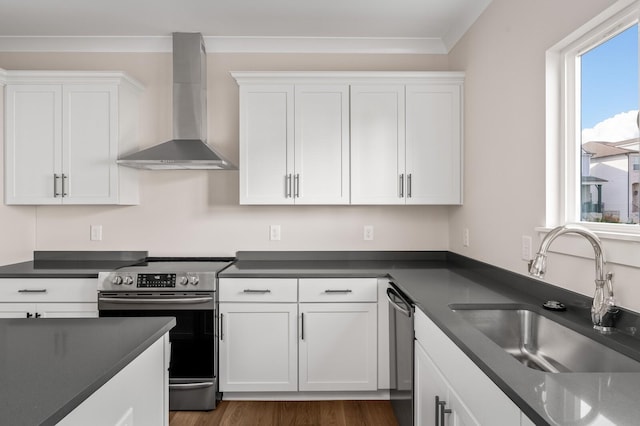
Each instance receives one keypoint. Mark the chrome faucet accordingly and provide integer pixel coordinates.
(603, 309)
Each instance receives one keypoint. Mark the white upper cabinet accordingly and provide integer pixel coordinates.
(266, 144)
(433, 144)
(377, 144)
(321, 167)
(350, 137)
(64, 132)
(294, 144)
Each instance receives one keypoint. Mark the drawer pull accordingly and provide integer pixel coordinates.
(248, 290)
(338, 291)
(29, 290)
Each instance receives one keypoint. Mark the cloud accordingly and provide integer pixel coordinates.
(620, 127)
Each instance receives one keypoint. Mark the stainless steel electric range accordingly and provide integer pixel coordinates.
(187, 290)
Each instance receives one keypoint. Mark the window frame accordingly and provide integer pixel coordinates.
(563, 127)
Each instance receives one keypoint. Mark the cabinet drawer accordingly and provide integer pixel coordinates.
(49, 290)
(258, 290)
(338, 290)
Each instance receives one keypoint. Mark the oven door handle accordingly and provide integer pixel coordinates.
(130, 300)
(186, 386)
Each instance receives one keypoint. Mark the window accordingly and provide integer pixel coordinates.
(593, 148)
(608, 109)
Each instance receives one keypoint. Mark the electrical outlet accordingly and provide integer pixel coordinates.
(274, 232)
(368, 232)
(96, 232)
(526, 248)
(465, 237)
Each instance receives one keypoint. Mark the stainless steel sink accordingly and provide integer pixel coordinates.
(543, 344)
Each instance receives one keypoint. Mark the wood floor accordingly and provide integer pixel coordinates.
(289, 413)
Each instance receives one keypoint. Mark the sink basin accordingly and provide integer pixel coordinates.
(543, 344)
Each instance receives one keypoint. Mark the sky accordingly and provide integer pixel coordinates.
(609, 76)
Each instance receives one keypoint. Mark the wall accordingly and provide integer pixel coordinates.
(503, 55)
(196, 212)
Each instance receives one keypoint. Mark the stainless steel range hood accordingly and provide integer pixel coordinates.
(188, 149)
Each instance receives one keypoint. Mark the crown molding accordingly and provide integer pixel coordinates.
(371, 45)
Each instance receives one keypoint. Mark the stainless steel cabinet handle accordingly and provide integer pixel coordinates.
(441, 411)
(302, 325)
(221, 327)
(33, 290)
(64, 191)
(337, 291)
(287, 186)
(409, 185)
(55, 185)
(248, 290)
(401, 185)
(296, 186)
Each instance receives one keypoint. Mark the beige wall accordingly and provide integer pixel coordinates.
(504, 57)
(197, 212)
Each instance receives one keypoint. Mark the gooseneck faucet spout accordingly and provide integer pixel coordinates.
(603, 309)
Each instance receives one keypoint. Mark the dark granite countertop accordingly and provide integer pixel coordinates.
(70, 264)
(49, 366)
(437, 280)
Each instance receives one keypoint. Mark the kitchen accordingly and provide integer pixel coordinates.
(197, 213)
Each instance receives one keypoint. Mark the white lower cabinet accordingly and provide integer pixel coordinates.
(138, 395)
(444, 370)
(48, 298)
(258, 347)
(48, 310)
(338, 346)
(271, 343)
(436, 402)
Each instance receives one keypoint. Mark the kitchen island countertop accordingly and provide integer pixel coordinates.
(49, 366)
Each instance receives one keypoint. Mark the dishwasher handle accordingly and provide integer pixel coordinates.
(392, 294)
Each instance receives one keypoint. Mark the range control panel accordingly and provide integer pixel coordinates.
(156, 281)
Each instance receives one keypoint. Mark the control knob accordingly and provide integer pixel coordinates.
(117, 280)
(184, 281)
(127, 280)
(194, 280)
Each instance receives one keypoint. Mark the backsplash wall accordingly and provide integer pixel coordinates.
(196, 213)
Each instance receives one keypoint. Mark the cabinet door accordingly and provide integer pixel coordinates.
(89, 149)
(377, 145)
(67, 310)
(460, 414)
(266, 145)
(258, 350)
(17, 310)
(433, 144)
(321, 171)
(338, 346)
(428, 383)
(33, 144)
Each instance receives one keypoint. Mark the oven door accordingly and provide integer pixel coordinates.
(193, 363)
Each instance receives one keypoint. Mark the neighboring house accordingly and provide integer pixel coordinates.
(611, 181)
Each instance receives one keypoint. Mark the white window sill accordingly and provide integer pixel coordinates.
(620, 246)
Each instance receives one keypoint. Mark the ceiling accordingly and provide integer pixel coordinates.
(433, 26)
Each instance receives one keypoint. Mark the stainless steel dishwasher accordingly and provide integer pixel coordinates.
(401, 341)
